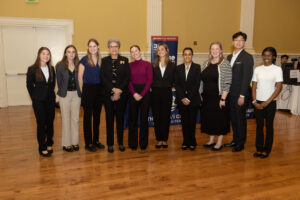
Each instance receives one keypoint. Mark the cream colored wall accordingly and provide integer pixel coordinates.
(202, 21)
(277, 23)
(100, 19)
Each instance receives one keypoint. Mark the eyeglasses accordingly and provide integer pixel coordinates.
(187, 54)
(113, 47)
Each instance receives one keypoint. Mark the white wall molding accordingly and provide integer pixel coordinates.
(154, 20)
(247, 22)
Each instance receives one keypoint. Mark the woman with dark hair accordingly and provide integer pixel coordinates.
(140, 82)
(266, 85)
(40, 82)
(187, 83)
(161, 94)
(216, 80)
(69, 97)
(92, 97)
(115, 76)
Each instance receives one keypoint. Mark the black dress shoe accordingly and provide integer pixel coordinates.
(110, 149)
(68, 149)
(45, 154)
(238, 148)
(264, 155)
(133, 148)
(75, 147)
(91, 148)
(231, 144)
(99, 145)
(256, 154)
(158, 146)
(184, 147)
(209, 145)
(50, 150)
(165, 146)
(121, 148)
(217, 149)
(192, 148)
(143, 148)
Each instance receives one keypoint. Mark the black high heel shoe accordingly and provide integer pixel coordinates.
(45, 154)
(184, 147)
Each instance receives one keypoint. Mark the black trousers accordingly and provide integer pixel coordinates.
(115, 109)
(92, 106)
(161, 102)
(44, 113)
(238, 120)
(268, 114)
(141, 109)
(188, 122)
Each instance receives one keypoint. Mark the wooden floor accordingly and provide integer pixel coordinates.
(155, 174)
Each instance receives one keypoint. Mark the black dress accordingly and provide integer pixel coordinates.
(214, 120)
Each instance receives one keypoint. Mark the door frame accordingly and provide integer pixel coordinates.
(67, 24)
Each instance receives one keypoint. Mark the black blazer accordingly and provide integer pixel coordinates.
(63, 81)
(37, 90)
(242, 71)
(123, 74)
(167, 81)
(188, 88)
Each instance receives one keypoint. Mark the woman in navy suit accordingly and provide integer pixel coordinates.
(187, 83)
(161, 95)
(40, 82)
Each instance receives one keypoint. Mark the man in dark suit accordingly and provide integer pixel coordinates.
(187, 83)
(115, 75)
(242, 70)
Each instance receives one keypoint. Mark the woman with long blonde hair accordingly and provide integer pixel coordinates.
(92, 96)
(161, 94)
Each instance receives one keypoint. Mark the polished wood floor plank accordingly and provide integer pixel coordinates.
(153, 174)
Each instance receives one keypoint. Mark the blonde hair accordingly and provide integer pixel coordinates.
(89, 55)
(221, 53)
(157, 58)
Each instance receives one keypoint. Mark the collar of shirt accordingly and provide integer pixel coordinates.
(234, 56)
(187, 69)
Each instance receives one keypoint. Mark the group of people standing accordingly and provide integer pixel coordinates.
(220, 87)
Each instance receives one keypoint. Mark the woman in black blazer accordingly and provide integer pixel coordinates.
(69, 98)
(161, 94)
(115, 74)
(187, 83)
(40, 82)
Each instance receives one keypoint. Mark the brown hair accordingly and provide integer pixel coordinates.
(89, 56)
(64, 61)
(37, 64)
(136, 46)
(221, 53)
(156, 56)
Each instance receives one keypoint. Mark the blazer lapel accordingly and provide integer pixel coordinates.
(239, 57)
(189, 73)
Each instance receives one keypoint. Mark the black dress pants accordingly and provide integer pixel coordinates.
(268, 114)
(238, 120)
(188, 121)
(115, 109)
(161, 102)
(92, 106)
(141, 109)
(44, 113)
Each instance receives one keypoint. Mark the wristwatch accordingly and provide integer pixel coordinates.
(254, 101)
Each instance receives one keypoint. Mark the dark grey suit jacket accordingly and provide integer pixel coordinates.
(62, 75)
(242, 71)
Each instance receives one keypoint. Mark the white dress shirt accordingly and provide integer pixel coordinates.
(162, 69)
(234, 57)
(45, 72)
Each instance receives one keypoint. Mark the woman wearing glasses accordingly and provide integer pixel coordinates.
(115, 76)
